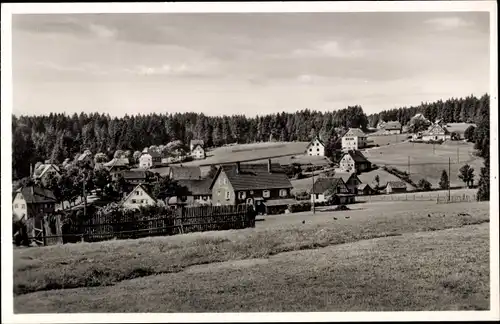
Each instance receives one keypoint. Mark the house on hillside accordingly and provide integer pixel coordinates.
(436, 132)
(381, 124)
(354, 161)
(364, 189)
(350, 179)
(316, 147)
(194, 143)
(198, 152)
(134, 177)
(354, 139)
(331, 189)
(393, 127)
(139, 197)
(44, 171)
(193, 192)
(395, 187)
(32, 204)
(85, 159)
(263, 186)
(149, 159)
(184, 173)
(116, 166)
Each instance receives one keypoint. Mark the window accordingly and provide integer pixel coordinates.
(242, 195)
(15, 206)
(228, 195)
(283, 192)
(133, 201)
(317, 196)
(251, 192)
(23, 206)
(218, 192)
(220, 180)
(317, 150)
(137, 193)
(225, 181)
(310, 150)
(266, 194)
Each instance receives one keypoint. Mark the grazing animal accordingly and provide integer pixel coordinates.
(429, 215)
(303, 222)
(335, 218)
(347, 217)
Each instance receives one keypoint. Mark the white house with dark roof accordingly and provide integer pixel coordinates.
(353, 161)
(43, 172)
(354, 139)
(436, 132)
(193, 143)
(316, 147)
(393, 127)
(395, 187)
(184, 173)
(324, 188)
(139, 197)
(198, 152)
(149, 159)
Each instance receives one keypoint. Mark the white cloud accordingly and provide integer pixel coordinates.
(330, 49)
(84, 67)
(448, 23)
(173, 70)
(102, 31)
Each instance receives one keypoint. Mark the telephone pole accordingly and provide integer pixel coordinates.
(449, 178)
(313, 195)
(458, 156)
(408, 165)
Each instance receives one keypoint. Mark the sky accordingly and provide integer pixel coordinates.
(245, 63)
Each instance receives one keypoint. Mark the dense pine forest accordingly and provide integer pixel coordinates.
(58, 136)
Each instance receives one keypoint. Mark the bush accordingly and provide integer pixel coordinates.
(423, 184)
(300, 207)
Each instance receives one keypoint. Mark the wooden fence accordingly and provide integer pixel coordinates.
(119, 225)
(428, 196)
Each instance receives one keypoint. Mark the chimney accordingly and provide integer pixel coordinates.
(269, 165)
(238, 168)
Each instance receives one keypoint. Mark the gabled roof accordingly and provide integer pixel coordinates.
(436, 129)
(116, 162)
(396, 184)
(346, 176)
(198, 145)
(392, 125)
(321, 185)
(196, 142)
(134, 174)
(185, 172)
(316, 138)
(357, 156)
(141, 186)
(37, 195)
(363, 186)
(197, 187)
(354, 132)
(153, 153)
(255, 177)
(43, 168)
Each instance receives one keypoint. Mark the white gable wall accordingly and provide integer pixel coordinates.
(145, 161)
(198, 153)
(19, 206)
(315, 148)
(347, 164)
(138, 198)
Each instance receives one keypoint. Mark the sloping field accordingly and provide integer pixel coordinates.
(368, 177)
(439, 270)
(378, 139)
(241, 152)
(426, 163)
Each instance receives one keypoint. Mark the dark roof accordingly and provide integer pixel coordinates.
(153, 153)
(116, 163)
(363, 186)
(37, 195)
(185, 173)
(197, 187)
(134, 174)
(396, 184)
(255, 177)
(346, 176)
(357, 156)
(323, 184)
(392, 125)
(314, 139)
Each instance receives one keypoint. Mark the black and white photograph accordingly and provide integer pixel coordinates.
(318, 161)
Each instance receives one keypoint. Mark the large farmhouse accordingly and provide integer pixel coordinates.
(354, 139)
(43, 172)
(354, 161)
(139, 197)
(149, 159)
(436, 132)
(260, 185)
(330, 189)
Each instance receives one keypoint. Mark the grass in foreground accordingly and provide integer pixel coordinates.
(107, 263)
(442, 270)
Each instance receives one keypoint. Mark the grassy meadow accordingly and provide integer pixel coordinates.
(267, 269)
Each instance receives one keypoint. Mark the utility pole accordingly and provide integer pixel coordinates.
(84, 196)
(408, 165)
(449, 178)
(433, 148)
(313, 195)
(458, 156)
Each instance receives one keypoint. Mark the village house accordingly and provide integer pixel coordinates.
(333, 190)
(364, 189)
(436, 132)
(85, 159)
(350, 179)
(184, 173)
(149, 159)
(393, 127)
(32, 204)
(354, 161)
(139, 197)
(395, 187)
(116, 166)
(198, 152)
(354, 139)
(381, 124)
(194, 192)
(44, 171)
(316, 147)
(263, 186)
(193, 143)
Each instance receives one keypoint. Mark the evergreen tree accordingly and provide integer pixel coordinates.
(444, 181)
(483, 192)
(466, 174)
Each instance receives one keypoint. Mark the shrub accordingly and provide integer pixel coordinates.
(300, 207)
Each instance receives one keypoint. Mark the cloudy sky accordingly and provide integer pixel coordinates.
(245, 63)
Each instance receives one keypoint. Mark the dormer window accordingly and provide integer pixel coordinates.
(266, 194)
